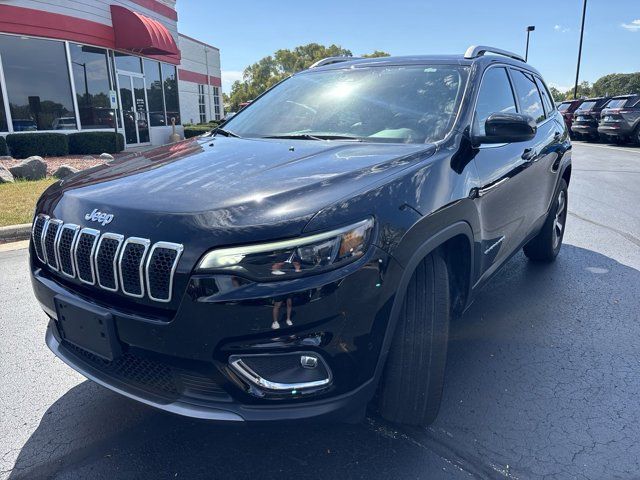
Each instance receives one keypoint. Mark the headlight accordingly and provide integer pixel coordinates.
(293, 258)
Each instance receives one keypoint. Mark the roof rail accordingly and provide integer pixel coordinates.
(475, 51)
(331, 60)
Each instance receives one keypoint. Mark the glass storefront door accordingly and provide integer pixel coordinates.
(134, 108)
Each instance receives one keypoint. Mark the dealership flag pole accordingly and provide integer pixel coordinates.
(584, 12)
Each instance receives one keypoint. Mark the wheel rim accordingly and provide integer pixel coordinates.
(559, 221)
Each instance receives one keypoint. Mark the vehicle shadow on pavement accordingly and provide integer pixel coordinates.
(541, 379)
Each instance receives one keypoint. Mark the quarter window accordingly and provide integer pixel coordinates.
(546, 99)
(528, 95)
(496, 96)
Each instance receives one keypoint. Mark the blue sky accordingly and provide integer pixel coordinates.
(247, 30)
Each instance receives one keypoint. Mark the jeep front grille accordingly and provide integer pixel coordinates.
(131, 265)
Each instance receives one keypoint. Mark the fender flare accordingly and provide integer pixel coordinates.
(428, 246)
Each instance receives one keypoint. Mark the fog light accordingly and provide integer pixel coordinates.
(283, 373)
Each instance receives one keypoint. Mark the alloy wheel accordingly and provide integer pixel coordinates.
(559, 221)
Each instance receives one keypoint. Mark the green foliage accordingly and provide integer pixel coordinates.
(195, 130)
(86, 143)
(23, 145)
(3, 146)
(375, 54)
(270, 70)
(557, 95)
(617, 84)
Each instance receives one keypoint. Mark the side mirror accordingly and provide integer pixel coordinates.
(508, 128)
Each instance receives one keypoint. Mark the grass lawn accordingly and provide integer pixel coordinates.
(17, 200)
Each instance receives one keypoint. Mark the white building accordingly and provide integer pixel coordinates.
(59, 60)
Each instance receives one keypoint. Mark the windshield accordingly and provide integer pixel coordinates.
(408, 104)
(586, 106)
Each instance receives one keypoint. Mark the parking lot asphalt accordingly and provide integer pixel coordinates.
(543, 379)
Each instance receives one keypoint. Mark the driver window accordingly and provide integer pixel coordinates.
(495, 96)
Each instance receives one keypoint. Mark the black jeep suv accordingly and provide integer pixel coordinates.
(620, 119)
(310, 254)
(587, 117)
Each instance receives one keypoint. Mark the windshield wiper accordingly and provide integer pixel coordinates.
(224, 132)
(307, 136)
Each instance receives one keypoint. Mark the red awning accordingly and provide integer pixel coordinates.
(141, 34)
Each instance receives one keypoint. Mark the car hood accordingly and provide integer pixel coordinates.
(219, 183)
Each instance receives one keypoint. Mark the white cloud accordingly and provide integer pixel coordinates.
(560, 28)
(562, 88)
(634, 26)
(228, 77)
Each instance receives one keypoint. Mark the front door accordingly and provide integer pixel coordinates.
(134, 108)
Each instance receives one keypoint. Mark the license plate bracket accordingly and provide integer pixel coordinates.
(87, 326)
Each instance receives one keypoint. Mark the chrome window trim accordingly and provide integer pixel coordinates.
(140, 241)
(113, 236)
(76, 229)
(35, 241)
(248, 374)
(170, 246)
(95, 234)
(55, 240)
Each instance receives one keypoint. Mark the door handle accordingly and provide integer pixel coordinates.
(529, 155)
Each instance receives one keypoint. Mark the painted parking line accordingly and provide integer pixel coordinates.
(8, 247)
(617, 149)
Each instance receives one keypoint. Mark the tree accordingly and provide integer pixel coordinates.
(272, 69)
(617, 84)
(375, 54)
(557, 95)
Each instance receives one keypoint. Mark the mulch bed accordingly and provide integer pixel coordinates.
(81, 162)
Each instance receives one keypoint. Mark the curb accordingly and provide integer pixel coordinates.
(14, 233)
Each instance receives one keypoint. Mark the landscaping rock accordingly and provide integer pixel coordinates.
(64, 171)
(87, 157)
(106, 156)
(5, 175)
(32, 168)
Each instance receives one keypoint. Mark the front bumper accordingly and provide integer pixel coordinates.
(182, 365)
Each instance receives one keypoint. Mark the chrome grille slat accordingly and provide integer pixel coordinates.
(36, 235)
(160, 269)
(65, 246)
(132, 266)
(50, 238)
(83, 253)
(106, 260)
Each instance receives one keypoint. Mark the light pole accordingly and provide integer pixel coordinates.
(584, 12)
(530, 29)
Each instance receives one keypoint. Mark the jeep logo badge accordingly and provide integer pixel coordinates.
(100, 217)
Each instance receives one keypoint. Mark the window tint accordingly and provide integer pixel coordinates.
(38, 84)
(170, 83)
(546, 99)
(495, 96)
(154, 93)
(587, 105)
(617, 103)
(91, 78)
(528, 95)
(563, 106)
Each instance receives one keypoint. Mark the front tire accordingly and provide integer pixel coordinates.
(545, 246)
(414, 373)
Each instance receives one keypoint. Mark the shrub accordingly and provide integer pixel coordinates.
(195, 130)
(85, 143)
(23, 145)
(3, 146)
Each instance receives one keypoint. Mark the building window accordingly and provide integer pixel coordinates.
(216, 102)
(155, 98)
(4, 126)
(90, 66)
(202, 108)
(128, 63)
(38, 84)
(170, 86)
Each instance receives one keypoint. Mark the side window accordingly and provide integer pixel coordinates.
(495, 96)
(546, 99)
(528, 95)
